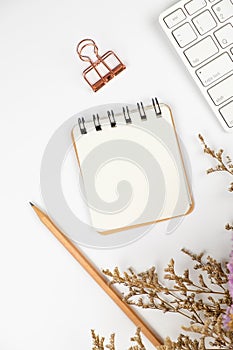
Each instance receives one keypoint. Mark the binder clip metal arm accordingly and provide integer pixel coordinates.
(102, 69)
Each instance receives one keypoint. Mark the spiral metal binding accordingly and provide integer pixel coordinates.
(96, 120)
(141, 111)
(126, 114)
(156, 106)
(81, 123)
(112, 119)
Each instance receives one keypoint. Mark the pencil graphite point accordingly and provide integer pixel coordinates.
(31, 204)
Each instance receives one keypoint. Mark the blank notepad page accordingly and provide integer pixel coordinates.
(133, 172)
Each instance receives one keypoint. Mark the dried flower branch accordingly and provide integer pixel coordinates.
(98, 343)
(203, 301)
(138, 340)
(224, 162)
(229, 227)
(206, 300)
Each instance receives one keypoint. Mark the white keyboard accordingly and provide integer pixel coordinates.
(202, 34)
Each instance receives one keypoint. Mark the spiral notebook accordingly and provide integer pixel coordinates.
(132, 168)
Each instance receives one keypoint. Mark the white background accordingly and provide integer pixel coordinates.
(47, 301)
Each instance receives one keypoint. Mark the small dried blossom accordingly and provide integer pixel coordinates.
(202, 300)
(224, 163)
(230, 276)
(98, 342)
(229, 227)
(228, 318)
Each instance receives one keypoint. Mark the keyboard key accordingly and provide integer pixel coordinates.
(174, 18)
(194, 6)
(184, 35)
(204, 22)
(215, 69)
(227, 113)
(225, 35)
(201, 51)
(223, 10)
(204, 41)
(222, 91)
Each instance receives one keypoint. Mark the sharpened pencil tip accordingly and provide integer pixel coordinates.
(31, 204)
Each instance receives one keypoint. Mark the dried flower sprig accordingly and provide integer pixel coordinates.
(228, 317)
(98, 342)
(138, 341)
(203, 302)
(207, 303)
(224, 163)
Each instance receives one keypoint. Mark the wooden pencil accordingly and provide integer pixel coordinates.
(97, 276)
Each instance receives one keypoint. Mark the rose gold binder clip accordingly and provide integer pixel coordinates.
(101, 70)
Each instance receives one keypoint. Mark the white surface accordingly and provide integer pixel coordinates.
(47, 301)
(197, 43)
